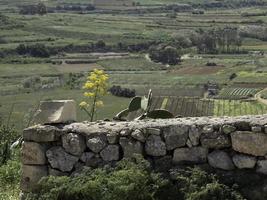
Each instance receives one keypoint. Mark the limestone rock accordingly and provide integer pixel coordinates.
(227, 129)
(41, 133)
(190, 155)
(194, 135)
(97, 143)
(215, 140)
(73, 143)
(244, 161)
(31, 175)
(94, 162)
(87, 156)
(56, 111)
(138, 135)
(256, 129)
(155, 146)
(152, 131)
(175, 136)
(220, 159)
(262, 166)
(189, 143)
(110, 153)
(208, 129)
(55, 172)
(125, 132)
(112, 138)
(249, 143)
(130, 147)
(33, 153)
(60, 159)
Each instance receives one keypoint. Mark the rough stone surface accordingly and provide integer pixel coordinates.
(125, 132)
(256, 129)
(194, 135)
(41, 133)
(110, 153)
(220, 159)
(208, 129)
(31, 174)
(190, 155)
(97, 143)
(60, 159)
(130, 147)
(155, 146)
(215, 140)
(175, 136)
(33, 153)
(55, 172)
(250, 143)
(73, 143)
(57, 111)
(152, 131)
(227, 129)
(113, 138)
(87, 156)
(262, 166)
(244, 161)
(138, 135)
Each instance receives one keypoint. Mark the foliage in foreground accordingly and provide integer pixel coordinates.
(133, 180)
(9, 179)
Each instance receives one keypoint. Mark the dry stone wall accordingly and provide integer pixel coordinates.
(222, 143)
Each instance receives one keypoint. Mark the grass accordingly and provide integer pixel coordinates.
(238, 108)
(24, 104)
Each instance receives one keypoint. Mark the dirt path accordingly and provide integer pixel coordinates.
(258, 97)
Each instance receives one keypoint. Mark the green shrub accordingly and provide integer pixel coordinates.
(133, 180)
(8, 135)
(10, 172)
(127, 181)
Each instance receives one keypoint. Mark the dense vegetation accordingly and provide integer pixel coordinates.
(174, 47)
(133, 180)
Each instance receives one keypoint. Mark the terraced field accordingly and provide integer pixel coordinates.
(237, 93)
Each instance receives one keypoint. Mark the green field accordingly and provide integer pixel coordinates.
(132, 70)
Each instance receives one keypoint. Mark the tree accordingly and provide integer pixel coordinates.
(166, 55)
(41, 8)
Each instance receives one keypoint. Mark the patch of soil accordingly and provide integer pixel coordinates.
(199, 70)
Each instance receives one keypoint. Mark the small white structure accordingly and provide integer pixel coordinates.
(56, 111)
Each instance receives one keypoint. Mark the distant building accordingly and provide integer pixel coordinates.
(106, 3)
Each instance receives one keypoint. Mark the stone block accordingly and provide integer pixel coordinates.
(262, 166)
(31, 175)
(154, 146)
(227, 129)
(130, 147)
(195, 155)
(220, 159)
(33, 153)
(215, 140)
(249, 143)
(56, 111)
(138, 135)
(242, 161)
(97, 143)
(152, 131)
(41, 133)
(194, 135)
(73, 143)
(110, 153)
(175, 136)
(60, 159)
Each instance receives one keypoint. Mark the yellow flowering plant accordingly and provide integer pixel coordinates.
(95, 87)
